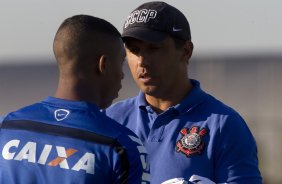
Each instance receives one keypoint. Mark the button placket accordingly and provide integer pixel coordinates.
(157, 128)
(161, 120)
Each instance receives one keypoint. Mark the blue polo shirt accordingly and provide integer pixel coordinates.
(199, 136)
(61, 141)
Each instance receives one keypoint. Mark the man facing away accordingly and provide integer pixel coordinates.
(190, 136)
(65, 138)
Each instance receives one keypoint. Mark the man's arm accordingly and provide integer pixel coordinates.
(132, 166)
(236, 153)
(2, 119)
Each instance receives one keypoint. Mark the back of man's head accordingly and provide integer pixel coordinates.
(89, 52)
(79, 39)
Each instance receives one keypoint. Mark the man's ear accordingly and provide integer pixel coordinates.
(188, 50)
(102, 64)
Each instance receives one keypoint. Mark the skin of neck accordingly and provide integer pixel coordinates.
(79, 89)
(161, 103)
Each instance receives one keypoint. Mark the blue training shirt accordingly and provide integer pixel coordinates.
(60, 141)
(1, 120)
(200, 136)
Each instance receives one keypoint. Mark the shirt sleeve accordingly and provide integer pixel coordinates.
(132, 166)
(1, 120)
(236, 153)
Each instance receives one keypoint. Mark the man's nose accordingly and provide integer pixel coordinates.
(143, 59)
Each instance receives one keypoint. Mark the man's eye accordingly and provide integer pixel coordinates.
(154, 47)
(134, 50)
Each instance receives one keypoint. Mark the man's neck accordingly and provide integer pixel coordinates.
(161, 104)
(76, 91)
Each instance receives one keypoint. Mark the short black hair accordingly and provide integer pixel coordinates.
(78, 36)
(91, 23)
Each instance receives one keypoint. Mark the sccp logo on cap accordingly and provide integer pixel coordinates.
(155, 21)
(138, 16)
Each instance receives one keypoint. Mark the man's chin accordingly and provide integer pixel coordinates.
(149, 90)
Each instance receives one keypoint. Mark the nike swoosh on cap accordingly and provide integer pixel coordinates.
(175, 29)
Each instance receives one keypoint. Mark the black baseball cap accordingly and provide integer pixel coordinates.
(155, 21)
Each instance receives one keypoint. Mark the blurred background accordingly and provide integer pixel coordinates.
(237, 58)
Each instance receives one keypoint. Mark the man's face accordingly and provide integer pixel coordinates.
(156, 68)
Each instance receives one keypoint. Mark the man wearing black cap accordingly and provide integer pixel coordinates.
(190, 136)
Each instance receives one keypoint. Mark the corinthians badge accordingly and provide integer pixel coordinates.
(191, 143)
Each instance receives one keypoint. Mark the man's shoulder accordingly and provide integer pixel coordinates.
(74, 121)
(22, 112)
(122, 107)
(124, 112)
(219, 107)
(1, 119)
(113, 127)
(124, 103)
(227, 118)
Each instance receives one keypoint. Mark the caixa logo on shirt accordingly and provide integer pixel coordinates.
(11, 151)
